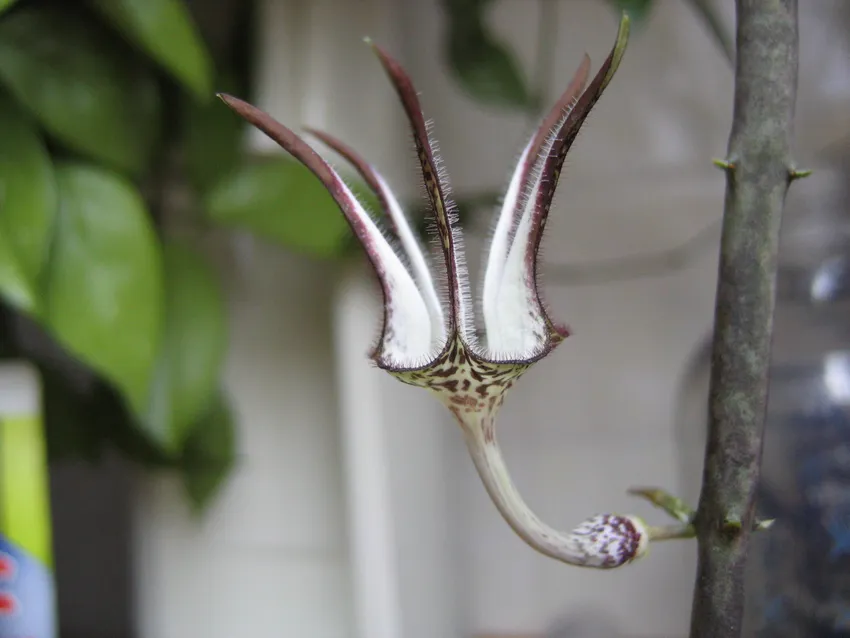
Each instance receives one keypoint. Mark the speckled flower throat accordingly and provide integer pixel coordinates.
(428, 338)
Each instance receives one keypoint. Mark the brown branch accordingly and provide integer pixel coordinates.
(759, 171)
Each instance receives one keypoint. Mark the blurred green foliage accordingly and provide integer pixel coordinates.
(638, 10)
(191, 349)
(131, 326)
(5, 4)
(165, 31)
(102, 296)
(29, 206)
(483, 65)
(82, 88)
(106, 106)
(486, 68)
(250, 196)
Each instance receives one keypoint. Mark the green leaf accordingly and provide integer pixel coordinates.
(485, 68)
(213, 140)
(209, 453)
(638, 10)
(82, 85)
(164, 28)
(27, 207)
(14, 286)
(281, 200)
(6, 4)
(193, 345)
(83, 422)
(103, 299)
(465, 12)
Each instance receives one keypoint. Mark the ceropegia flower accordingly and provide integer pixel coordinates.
(428, 338)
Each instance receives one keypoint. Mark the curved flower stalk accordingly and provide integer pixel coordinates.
(428, 338)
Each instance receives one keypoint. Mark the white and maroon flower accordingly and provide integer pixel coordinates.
(428, 337)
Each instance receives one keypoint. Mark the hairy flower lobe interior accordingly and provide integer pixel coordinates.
(420, 325)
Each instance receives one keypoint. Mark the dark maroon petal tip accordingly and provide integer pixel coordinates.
(570, 128)
(410, 101)
(360, 165)
(564, 139)
(561, 107)
(357, 219)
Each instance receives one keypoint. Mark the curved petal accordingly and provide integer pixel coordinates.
(409, 241)
(526, 329)
(564, 138)
(521, 187)
(436, 186)
(406, 337)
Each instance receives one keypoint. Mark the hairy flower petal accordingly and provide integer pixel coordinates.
(436, 185)
(550, 173)
(412, 247)
(406, 339)
(526, 330)
(507, 338)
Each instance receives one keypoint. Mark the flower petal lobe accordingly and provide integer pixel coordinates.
(406, 338)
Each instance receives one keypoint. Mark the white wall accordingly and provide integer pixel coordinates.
(399, 485)
(270, 557)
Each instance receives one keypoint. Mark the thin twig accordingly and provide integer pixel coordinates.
(758, 170)
(673, 505)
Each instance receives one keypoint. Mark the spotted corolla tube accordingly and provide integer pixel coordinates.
(428, 337)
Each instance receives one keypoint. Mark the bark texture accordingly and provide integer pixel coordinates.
(759, 170)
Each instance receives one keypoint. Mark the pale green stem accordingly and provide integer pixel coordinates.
(604, 541)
